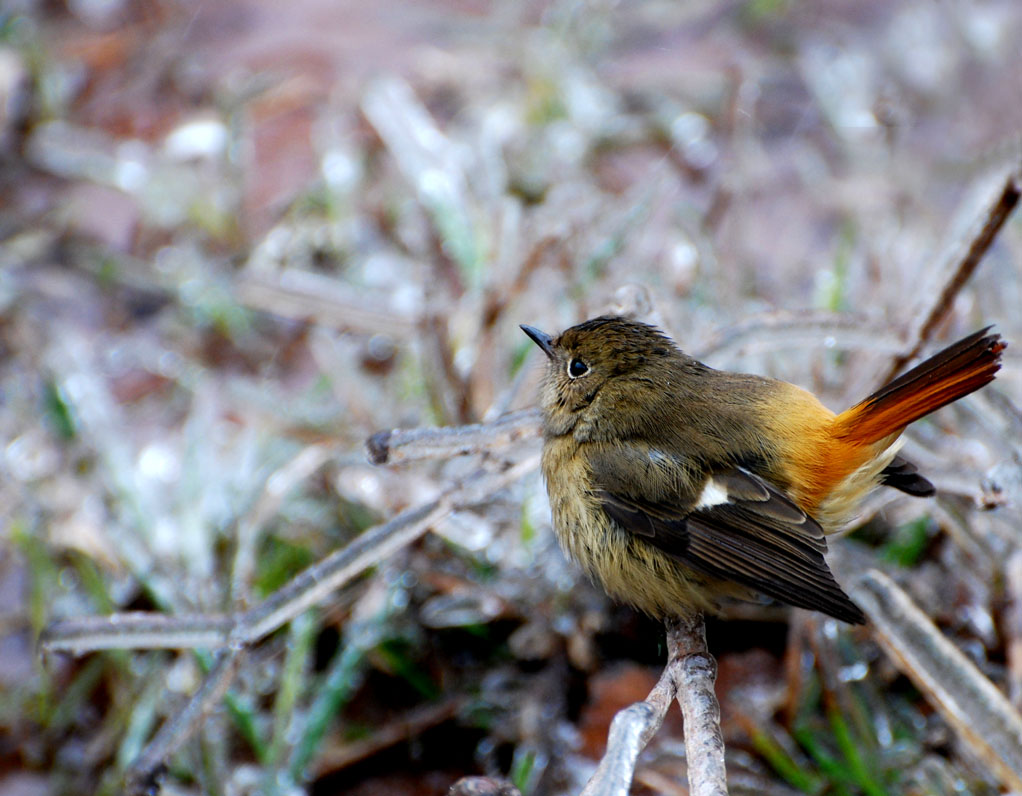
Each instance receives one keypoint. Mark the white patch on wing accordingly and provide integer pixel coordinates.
(657, 457)
(713, 494)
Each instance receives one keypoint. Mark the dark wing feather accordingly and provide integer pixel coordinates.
(757, 538)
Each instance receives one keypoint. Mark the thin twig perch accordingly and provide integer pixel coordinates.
(704, 742)
(689, 677)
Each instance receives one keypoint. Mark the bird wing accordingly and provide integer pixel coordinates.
(739, 528)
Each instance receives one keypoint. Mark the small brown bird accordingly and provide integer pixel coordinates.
(675, 485)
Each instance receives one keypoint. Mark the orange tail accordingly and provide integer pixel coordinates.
(956, 371)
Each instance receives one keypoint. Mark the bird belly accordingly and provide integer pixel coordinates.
(628, 568)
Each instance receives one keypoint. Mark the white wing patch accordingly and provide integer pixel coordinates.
(713, 494)
(658, 457)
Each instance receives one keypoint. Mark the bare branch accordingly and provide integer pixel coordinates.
(960, 270)
(630, 731)
(307, 588)
(235, 632)
(146, 769)
(977, 711)
(688, 676)
(402, 445)
(137, 630)
(704, 742)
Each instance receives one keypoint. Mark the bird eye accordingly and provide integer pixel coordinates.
(577, 368)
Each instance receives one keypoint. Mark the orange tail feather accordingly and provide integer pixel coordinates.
(956, 371)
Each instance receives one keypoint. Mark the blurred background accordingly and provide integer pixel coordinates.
(239, 237)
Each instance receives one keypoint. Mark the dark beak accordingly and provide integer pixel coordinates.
(542, 339)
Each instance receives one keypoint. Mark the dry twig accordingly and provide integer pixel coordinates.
(143, 630)
(688, 676)
(972, 705)
(146, 769)
(411, 444)
(704, 743)
(959, 270)
(232, 633)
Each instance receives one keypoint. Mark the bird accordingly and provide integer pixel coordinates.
(679, 487)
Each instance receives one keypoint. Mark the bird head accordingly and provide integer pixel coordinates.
(598, 368)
